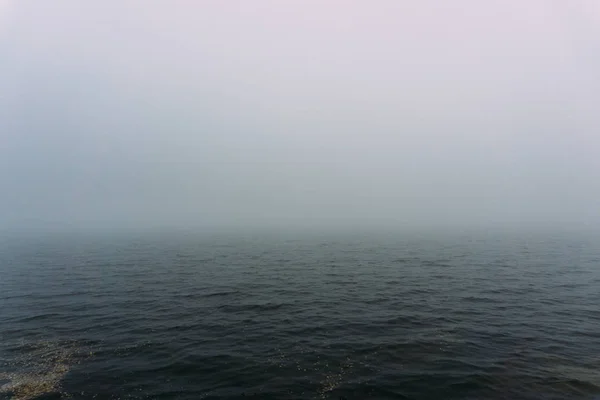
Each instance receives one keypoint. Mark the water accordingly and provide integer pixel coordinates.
(395, 316)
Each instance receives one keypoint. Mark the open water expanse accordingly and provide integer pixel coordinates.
(354, 316)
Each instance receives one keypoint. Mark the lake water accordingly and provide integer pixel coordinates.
(361, 316)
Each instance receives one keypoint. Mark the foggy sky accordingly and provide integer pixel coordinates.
(119, 114)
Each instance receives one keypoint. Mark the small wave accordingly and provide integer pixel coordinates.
(480, 299)
(403, 260)
(38, 317)
(342, 282)
(251, 307)
(220, 294)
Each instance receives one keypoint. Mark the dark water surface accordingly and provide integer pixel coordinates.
(360, 317)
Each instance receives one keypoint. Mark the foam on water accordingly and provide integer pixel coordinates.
(39, 368)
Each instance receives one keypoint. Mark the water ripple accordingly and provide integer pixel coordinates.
(226, 318)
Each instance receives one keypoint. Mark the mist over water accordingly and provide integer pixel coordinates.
(299, 200)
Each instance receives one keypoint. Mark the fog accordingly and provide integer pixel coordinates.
(300, 113)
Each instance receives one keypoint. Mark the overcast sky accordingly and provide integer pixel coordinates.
(120, 114)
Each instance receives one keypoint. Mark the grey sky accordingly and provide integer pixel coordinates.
(301, 112)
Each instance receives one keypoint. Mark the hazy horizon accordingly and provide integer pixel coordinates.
(120, 115)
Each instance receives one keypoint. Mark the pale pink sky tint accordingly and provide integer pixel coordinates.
(297, 112)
